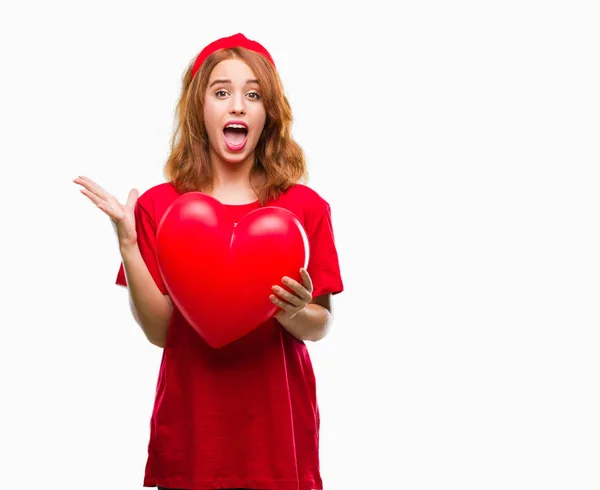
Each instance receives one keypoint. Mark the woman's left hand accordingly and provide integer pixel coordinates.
(291, 304)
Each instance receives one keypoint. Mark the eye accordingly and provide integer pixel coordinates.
(222, 93)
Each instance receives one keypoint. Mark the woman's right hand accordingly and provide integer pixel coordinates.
(121, 215)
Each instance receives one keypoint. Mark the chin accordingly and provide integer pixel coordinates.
(235, 159)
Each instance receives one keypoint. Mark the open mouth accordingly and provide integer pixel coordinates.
(235, 136)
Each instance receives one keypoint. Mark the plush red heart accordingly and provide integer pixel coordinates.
(220, 273)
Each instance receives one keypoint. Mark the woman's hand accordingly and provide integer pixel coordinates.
(121, 215)
(293, 302)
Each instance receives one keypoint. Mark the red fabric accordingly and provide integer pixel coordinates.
(237, 40)
(245, 415)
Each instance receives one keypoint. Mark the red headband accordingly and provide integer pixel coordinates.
(235, 41)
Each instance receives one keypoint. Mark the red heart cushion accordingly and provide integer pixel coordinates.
(219, 273)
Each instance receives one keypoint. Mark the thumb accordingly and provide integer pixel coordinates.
(132, 197)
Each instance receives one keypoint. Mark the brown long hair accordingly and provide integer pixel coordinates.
(279, 161)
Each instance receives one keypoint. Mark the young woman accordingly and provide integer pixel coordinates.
(244, 415)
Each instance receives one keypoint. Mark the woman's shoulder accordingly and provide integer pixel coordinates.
(309, 197)
(159, 192)
(158, 198)
(308, 205)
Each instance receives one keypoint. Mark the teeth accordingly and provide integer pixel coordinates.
(239, 126)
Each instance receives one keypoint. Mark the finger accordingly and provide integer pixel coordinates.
(282, 304)
(294, 285)
(89, 190)
(93, 187)
(298, 288)
(102, 204)
(92, 197)
(308, 285)
(132, 198)
(290, 298)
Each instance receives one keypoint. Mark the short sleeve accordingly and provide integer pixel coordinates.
(146, 237)
(323, 265)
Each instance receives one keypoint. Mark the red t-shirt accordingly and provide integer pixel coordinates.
(244, 415)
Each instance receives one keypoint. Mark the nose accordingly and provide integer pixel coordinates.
(238, 104)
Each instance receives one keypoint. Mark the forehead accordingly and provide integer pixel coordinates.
(232, 69)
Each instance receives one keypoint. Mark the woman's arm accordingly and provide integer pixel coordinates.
(151, 309)
(313, 321)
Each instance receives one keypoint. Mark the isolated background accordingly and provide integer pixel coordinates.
(457, 144)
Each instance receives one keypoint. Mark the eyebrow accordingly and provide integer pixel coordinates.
(229, 81)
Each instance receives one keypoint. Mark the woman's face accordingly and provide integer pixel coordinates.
(233, 94)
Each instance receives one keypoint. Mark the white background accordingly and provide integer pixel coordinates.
(457, 143)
